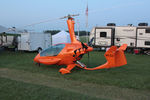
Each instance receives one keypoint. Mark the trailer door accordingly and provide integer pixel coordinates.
(126, 34)
(103, 37)
(24, 43)
(36, 41)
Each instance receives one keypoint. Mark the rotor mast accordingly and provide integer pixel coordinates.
(71, 23)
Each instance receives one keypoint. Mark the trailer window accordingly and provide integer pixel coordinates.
(147, 31)
(53, 50)
(103, 34)
(131, 44)
(147, 42)
(118, 39)
(140, 33)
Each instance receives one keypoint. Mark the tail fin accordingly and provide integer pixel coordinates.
(115, 58)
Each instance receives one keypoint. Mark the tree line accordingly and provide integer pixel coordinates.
(81, 33)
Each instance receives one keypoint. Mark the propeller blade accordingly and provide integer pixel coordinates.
(83, 45)
(90, 42)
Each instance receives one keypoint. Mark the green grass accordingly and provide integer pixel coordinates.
(83, 39)
(135, 76)
(14, 90)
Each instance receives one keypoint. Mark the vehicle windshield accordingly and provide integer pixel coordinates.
(53, 50)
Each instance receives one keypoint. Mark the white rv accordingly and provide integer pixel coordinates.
(134, 36)
(34, 41)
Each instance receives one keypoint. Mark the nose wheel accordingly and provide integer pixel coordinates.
(68, 69)
(37, 64)
(64, 71)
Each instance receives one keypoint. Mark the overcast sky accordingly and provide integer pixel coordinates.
(19, 13)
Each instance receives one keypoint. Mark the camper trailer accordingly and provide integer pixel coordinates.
(31, 41)
(136, 37)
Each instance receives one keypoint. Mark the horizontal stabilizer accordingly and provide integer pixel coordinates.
(115, 58)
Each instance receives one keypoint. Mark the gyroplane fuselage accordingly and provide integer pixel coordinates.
(69, 54)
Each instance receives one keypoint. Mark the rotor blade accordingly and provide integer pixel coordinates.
(69, 16)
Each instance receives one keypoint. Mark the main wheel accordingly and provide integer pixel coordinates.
(148, 52)
(39, 50)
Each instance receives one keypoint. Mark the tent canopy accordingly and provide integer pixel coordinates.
(61, 37)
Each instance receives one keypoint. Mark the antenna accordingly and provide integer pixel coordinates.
(78, 29)
(86, 12)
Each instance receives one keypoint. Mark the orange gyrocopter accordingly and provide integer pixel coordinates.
(69, 54)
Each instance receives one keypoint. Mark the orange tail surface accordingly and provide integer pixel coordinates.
(115, 58)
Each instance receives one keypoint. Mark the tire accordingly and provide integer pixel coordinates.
(16, 49)
(143, 24)
(111, 24)
(39, 50)
(148, 53)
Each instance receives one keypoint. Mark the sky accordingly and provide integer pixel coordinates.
(20, 13)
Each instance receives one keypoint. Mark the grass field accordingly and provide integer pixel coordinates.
(83, 39)
(21, 79)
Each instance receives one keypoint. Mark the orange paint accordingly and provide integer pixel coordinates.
(115, 58)
(70, 53)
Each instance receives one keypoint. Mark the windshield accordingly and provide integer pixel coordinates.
(53, 50)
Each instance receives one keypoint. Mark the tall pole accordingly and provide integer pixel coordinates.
(78, 29)
(87, 38)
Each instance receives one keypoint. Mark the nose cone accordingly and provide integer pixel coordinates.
(36, 59)
(90, 49)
